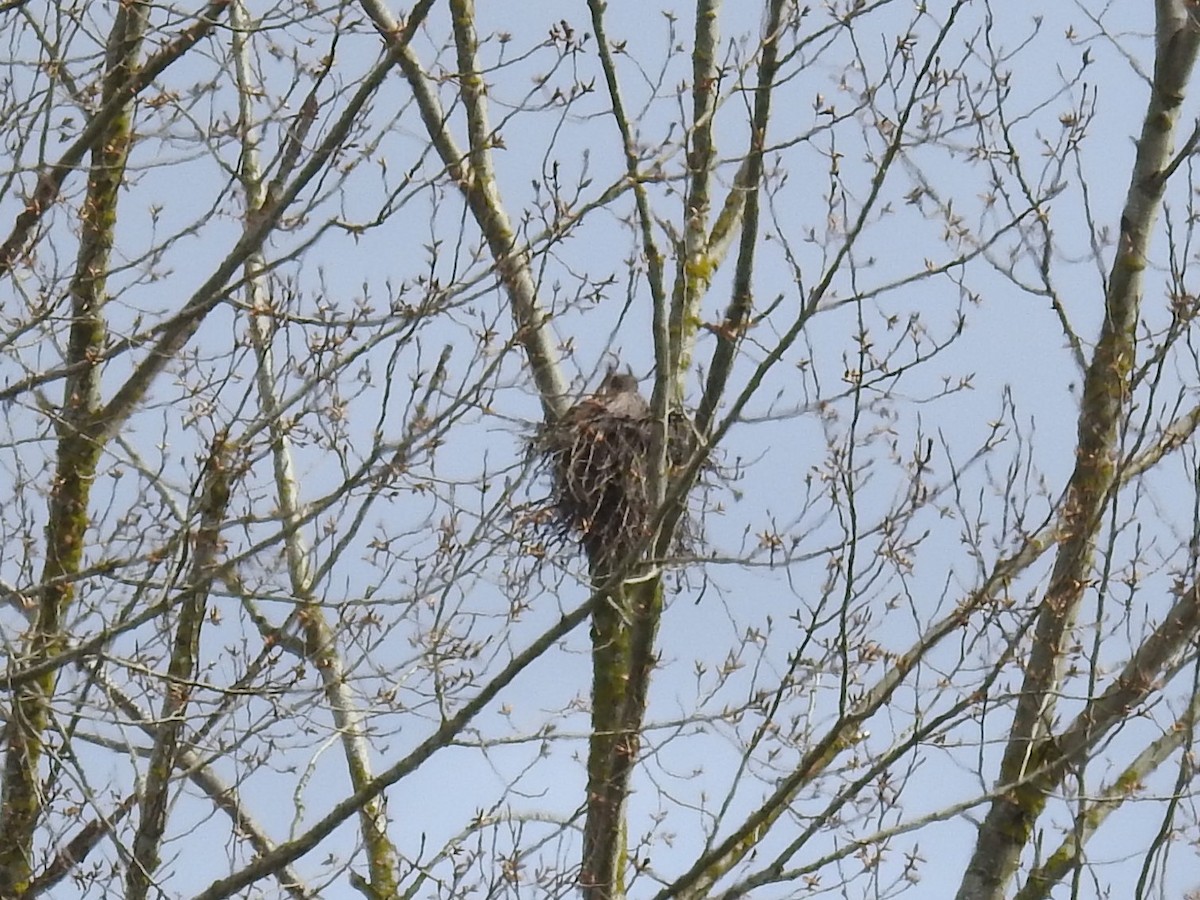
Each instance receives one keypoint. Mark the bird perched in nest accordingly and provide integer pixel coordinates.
(618, 395)
(598, 456)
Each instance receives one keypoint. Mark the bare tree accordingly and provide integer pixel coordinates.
(639, 452)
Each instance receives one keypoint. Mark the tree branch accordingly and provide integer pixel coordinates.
(1010, 820)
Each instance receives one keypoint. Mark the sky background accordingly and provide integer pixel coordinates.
(373, 233)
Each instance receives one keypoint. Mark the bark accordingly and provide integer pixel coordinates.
(1069, 854)
(741, 304)
(84, 424)
(224, 796)
(116, 105)
(695, 275)
(292, 850)
(79, 450)
(181, 673)
(475, 177)
(320, 644)
(1010, 820)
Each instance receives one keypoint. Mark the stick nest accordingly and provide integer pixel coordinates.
(597, 456)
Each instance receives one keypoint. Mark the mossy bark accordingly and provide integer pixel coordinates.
(1010, 820)
(78, 454)
(181, 673)
(624, 627)
(319, 646)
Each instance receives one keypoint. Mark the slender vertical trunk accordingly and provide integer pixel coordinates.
(1010, 820)
(77, 457)
(181, 673)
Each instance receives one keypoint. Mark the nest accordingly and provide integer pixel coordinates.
(597, 456)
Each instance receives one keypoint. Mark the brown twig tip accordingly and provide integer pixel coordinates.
(598, 459)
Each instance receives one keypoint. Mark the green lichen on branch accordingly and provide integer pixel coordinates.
(1010, 821)
(599, 457)
(181, 671)
(77, 459)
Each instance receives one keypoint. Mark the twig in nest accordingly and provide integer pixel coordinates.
(598, 458)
